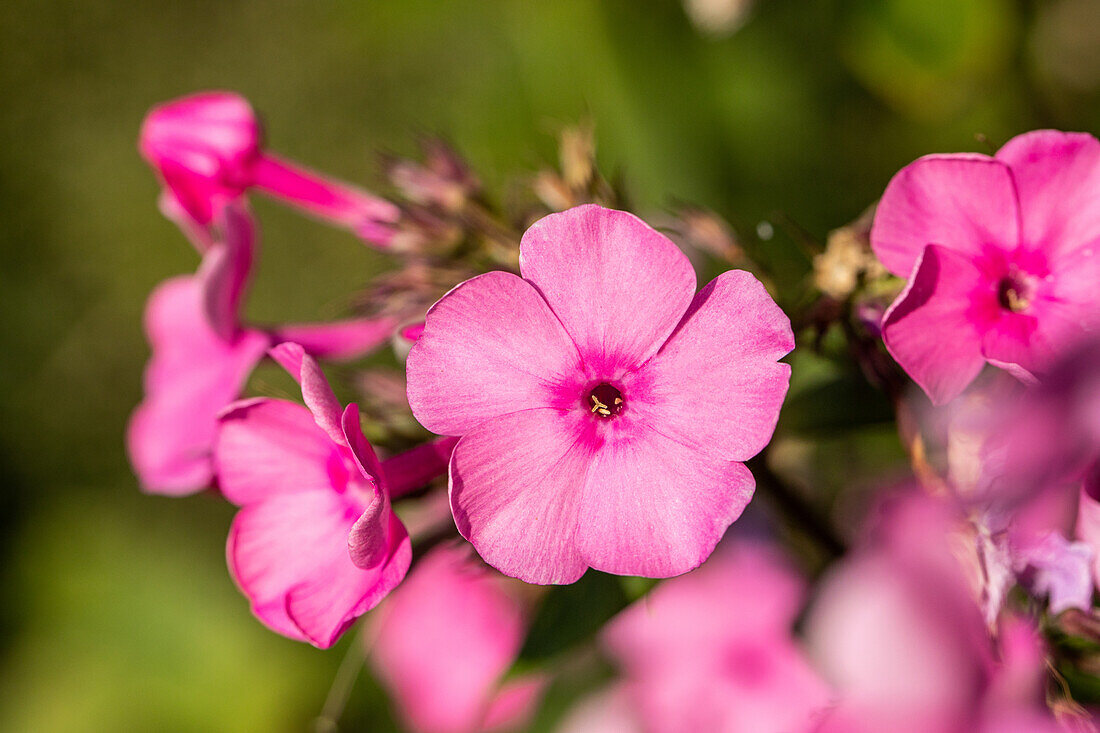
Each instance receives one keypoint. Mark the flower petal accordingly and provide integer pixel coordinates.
(716, 384)
(203, 146)
(266, 447)
(655, 507)
(190, 377)
(289, 555)
(1057, 176)
(444, 641)
(963, 202)
(414, 468)
(318, 395)
(367, 541)
(275, 545)
(1052, 566)
(515, 488)
(928, 330)
(226, 269)
(490, 347)
(618, 286)
(347, 339)
(329, 601)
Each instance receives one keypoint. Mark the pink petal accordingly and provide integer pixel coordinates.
(329, 601)
(417, 466)
(339, 340)
(289, 555)
(515, 492)
(689, 667)
(444, 641)
(1052, 566)
(367, 540)
(963, 202)
(490, 347)
(678, 621)
(929, 329)
(611, 710)
(1062, 313)
(618, 286)
(369, 216)
(726, 406)
(654, 507)
(191, 376)
(203, 146)
(318, 395)
(514, 704)
(1057, 176)
(225, 271)
(266, 447)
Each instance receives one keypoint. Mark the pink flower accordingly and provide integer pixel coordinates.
(203, 354)
(316, 543)
(1002, 256)
(605, 409)
(896, 630)
(207, 149)
(443, 643)
(713, 650)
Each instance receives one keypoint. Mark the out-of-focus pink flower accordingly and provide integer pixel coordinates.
(208, 151)
(316, 543)
(605, 408)
(201, 359)
(896, 631)
(443, 643)
(713, 651)
(203, 354)
(1002, 256)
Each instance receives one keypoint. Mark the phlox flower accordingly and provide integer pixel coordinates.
(713, 651)
(443, 642)
(605, 408)
(1002, 255)
(896, 631)
(316, 543)
(208, 150)
(1019, 530)
(202, 354)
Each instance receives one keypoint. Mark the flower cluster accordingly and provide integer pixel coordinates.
(571, 402)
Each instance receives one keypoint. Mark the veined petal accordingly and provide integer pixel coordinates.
(716, 384)
(490, 347)
(316, 392)
(1057, 176)
(654, 507)
(515, 491)
(266, 447)
(618, 286)
(963, 202)
(929, 329)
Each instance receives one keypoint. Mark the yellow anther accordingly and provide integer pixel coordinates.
(600, 407)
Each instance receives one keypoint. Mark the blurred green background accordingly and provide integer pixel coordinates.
(116, 611)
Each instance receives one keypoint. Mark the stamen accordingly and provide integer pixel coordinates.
(606, 400)
(1012, 294)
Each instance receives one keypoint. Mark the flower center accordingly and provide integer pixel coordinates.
(1014, 293)
(605, 400)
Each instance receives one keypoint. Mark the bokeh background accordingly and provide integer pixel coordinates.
(116, 611)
